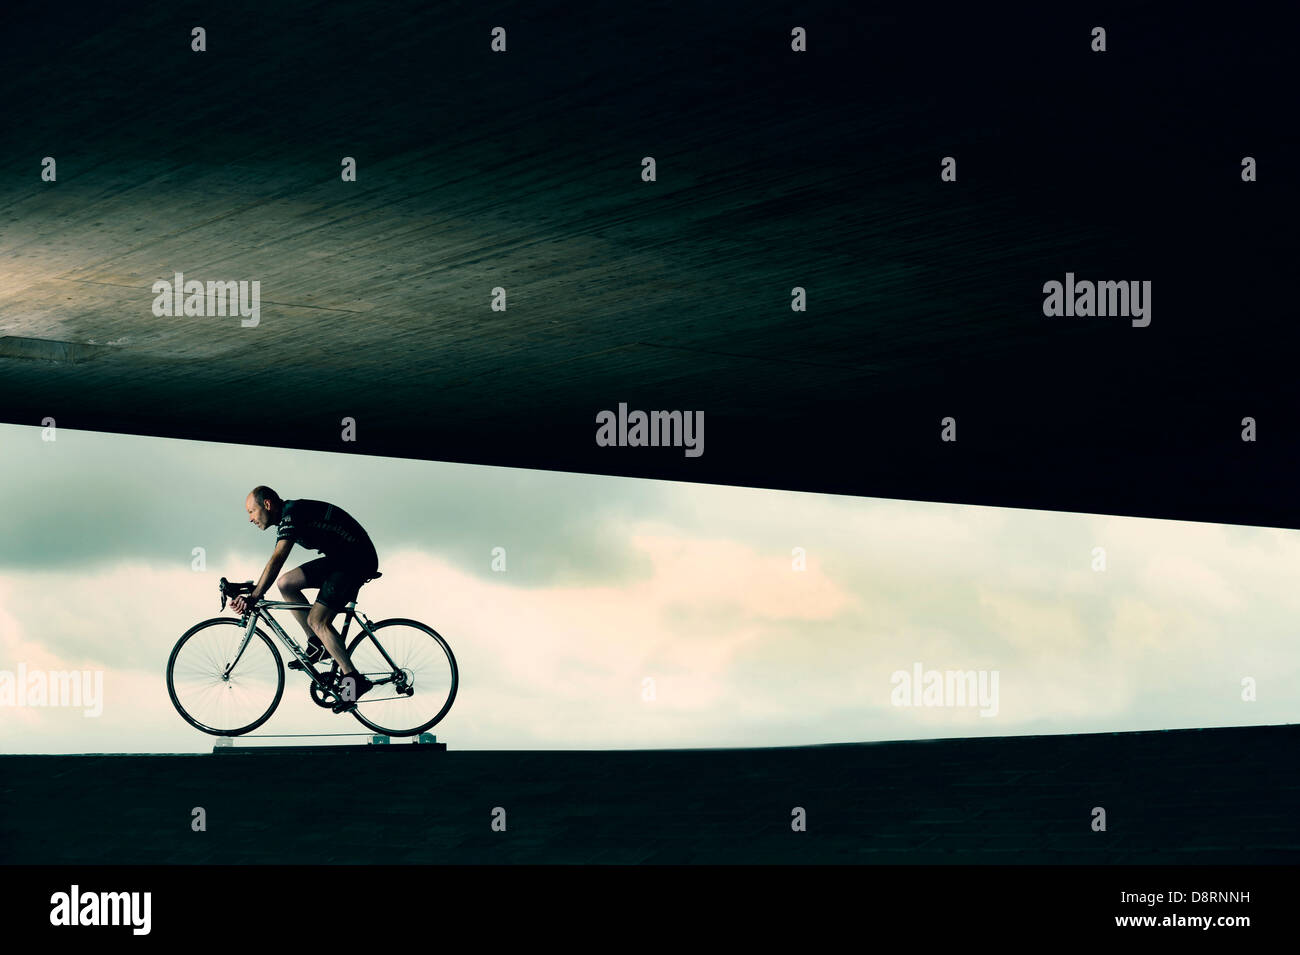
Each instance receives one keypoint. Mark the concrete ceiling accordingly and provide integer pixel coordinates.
(775, 169)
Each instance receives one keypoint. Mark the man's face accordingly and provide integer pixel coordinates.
(258, 513)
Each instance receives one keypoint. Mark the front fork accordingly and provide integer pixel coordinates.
(251, 620)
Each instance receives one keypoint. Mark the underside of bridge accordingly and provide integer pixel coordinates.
(519, 177)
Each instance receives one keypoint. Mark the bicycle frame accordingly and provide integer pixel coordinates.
(263, 612)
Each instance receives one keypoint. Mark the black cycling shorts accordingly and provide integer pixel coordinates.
(338, 580)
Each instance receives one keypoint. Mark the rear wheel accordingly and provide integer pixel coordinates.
(216, 693)
(413, 691)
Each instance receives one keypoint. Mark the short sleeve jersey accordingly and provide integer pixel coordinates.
(328, 529)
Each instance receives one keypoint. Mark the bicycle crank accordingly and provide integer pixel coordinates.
(325, 699)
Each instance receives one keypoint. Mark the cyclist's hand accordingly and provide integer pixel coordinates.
(243, 603)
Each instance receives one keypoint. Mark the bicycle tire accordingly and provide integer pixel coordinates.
(171, 687)
(451, 659)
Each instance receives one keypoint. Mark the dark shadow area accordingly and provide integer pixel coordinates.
(1177, 797)
(775, 169)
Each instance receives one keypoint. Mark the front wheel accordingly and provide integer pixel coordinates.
(414, 673)
(217, 693)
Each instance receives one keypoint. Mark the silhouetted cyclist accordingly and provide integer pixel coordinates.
(350, 560)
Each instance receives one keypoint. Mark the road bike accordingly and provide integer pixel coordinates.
(226, 678)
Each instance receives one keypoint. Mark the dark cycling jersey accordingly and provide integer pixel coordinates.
(328, 529)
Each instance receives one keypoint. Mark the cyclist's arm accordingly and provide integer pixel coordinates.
(278, 557)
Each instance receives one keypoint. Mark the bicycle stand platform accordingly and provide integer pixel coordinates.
(426, 742)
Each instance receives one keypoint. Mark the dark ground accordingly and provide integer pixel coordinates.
(1176, 797)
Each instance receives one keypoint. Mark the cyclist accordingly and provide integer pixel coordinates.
(350, 560)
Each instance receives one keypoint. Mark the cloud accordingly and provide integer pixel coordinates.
(87, 498)
(614, 586)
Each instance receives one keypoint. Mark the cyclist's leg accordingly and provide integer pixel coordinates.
(337, 590)
(292, 582)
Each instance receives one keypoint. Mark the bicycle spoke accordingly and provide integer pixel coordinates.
(424, 665)
(214, 700)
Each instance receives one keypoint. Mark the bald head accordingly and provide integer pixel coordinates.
(263, 506)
